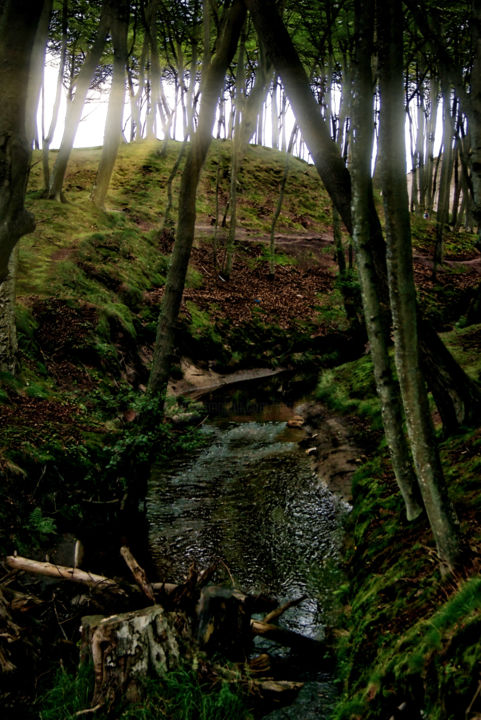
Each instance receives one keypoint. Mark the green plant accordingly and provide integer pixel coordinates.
(69, 695)
(40, 526)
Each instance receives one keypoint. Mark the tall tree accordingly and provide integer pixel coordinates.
(75, 106)
(113, 123)
(362, 202)
(18, 26)
(401, 285)
(212, 84)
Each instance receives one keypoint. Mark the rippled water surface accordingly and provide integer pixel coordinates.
(249, 499)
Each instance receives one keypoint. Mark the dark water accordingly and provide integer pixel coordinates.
(250, 500)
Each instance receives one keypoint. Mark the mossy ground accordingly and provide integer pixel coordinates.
(407, 636)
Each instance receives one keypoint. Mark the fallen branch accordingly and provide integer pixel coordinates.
(282, 609)
(138, 572)
(62, 572)
(285, 637)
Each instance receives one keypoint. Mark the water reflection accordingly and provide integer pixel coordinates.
(250, 500)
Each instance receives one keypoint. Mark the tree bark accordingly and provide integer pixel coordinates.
(441, 515)
(362, 198)
(46, 141)
(18, 27)
(75, 107)
(36, 68)
(175, 281)
(475, 112)
(8, 332)
(237, 157)
(113, 123)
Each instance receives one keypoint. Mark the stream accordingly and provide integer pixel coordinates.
(250, 500)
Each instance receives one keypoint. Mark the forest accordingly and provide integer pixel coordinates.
(240, 379)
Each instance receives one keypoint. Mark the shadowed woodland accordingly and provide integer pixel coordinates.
(283, 189)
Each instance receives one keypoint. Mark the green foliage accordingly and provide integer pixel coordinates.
(69, 695)
(179, 695)
(350, 388)
(40, 527)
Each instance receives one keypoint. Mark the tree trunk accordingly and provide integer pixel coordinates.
(18, 25)
(442, 215)
(475, 112)
(386, 385)
(136, 95)
(237, 156)
(430, 135)
(280, 200)
(175, 281)
(8, 332)
(75, 107)
(36, 68)
(113, 123)
(456, 395)
(18, 28)
(56, 103)
(401, 286)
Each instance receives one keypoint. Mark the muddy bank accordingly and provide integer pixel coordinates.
(196, 381)
(331, 441)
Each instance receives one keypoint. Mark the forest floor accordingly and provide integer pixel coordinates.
(89, 289)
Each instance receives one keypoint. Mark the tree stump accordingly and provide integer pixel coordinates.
(127, 648)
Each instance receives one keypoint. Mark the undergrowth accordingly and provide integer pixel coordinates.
(178, 695)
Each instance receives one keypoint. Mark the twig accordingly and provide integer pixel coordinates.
(89, 710)
(468, 709)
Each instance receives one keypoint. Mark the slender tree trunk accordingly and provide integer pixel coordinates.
(430, 135)
(442, 217)
(46, 141)
(136, 96)
(113, 123)
(274, 115)
(36, 71)
(75, 107)
(256, 98)
(386, 385)
(212, 86)
(237, 156)
(475, 112)
(441, 515)
(280, 200)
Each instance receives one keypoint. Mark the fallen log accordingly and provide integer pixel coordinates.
(62, 572)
